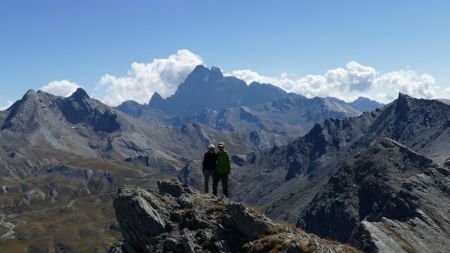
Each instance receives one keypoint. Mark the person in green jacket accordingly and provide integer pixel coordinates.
(222, 171)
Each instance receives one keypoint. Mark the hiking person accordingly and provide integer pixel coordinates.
(209, 166)
(223, 170)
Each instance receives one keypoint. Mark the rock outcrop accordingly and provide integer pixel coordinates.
(283, 180)
(387, 199)
(180, 219)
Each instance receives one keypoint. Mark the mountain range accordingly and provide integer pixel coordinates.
(227, 103)
(372, 175)
(58, 154)
(300, 182)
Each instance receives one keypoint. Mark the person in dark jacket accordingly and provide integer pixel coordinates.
(209, 166)
(223, 170)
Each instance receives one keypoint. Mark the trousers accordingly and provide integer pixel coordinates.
(221, 177)
(206, 175)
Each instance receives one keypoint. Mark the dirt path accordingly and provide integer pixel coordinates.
(8, 225)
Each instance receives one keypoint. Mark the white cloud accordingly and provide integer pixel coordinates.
(406, 81)
(250, 76)
(359, 77)
(61, 88)
(143, 79)
(445, 93)
(350, 82)
(5, 105)
(347, 82)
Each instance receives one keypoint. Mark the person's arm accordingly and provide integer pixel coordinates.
(204, 162)
(228, 161)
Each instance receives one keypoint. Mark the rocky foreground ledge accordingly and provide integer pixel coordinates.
(180, 219)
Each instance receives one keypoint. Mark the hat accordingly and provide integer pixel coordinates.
(220, 144)
(211, 146)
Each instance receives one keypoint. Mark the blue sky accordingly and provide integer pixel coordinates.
(81, 41)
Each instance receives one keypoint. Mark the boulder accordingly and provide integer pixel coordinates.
(180, 219)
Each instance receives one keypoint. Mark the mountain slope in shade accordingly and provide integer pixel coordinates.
(387, 199)
(283, 180)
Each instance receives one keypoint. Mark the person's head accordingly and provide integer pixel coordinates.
(211, 148)
(221, 146)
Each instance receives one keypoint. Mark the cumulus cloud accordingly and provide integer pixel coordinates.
(406, 81)
(347, 82)
(62, 88)
(445, 93)
(5, 105)
(143, 79)
(350, 82)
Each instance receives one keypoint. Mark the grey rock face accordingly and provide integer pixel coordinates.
(386, 199)
(179, 219)
(283, 180)
(22, 114)
(447, 163)
(78, 108)
(132, 108)
(208, 88)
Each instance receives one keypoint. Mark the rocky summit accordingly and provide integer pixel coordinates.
(283, 180)
(387, 199)
(180, 219)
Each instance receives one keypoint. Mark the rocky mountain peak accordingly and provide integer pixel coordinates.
(215, 74)
(77, 107)
(156, 100)
(208, 88)
(80, 94)
(376, 194)
(129, 103)
(402, 103)
(199, 69)
(22, 114)
(30, 93)
(180, 219)
(365, 104)
(203, 75)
